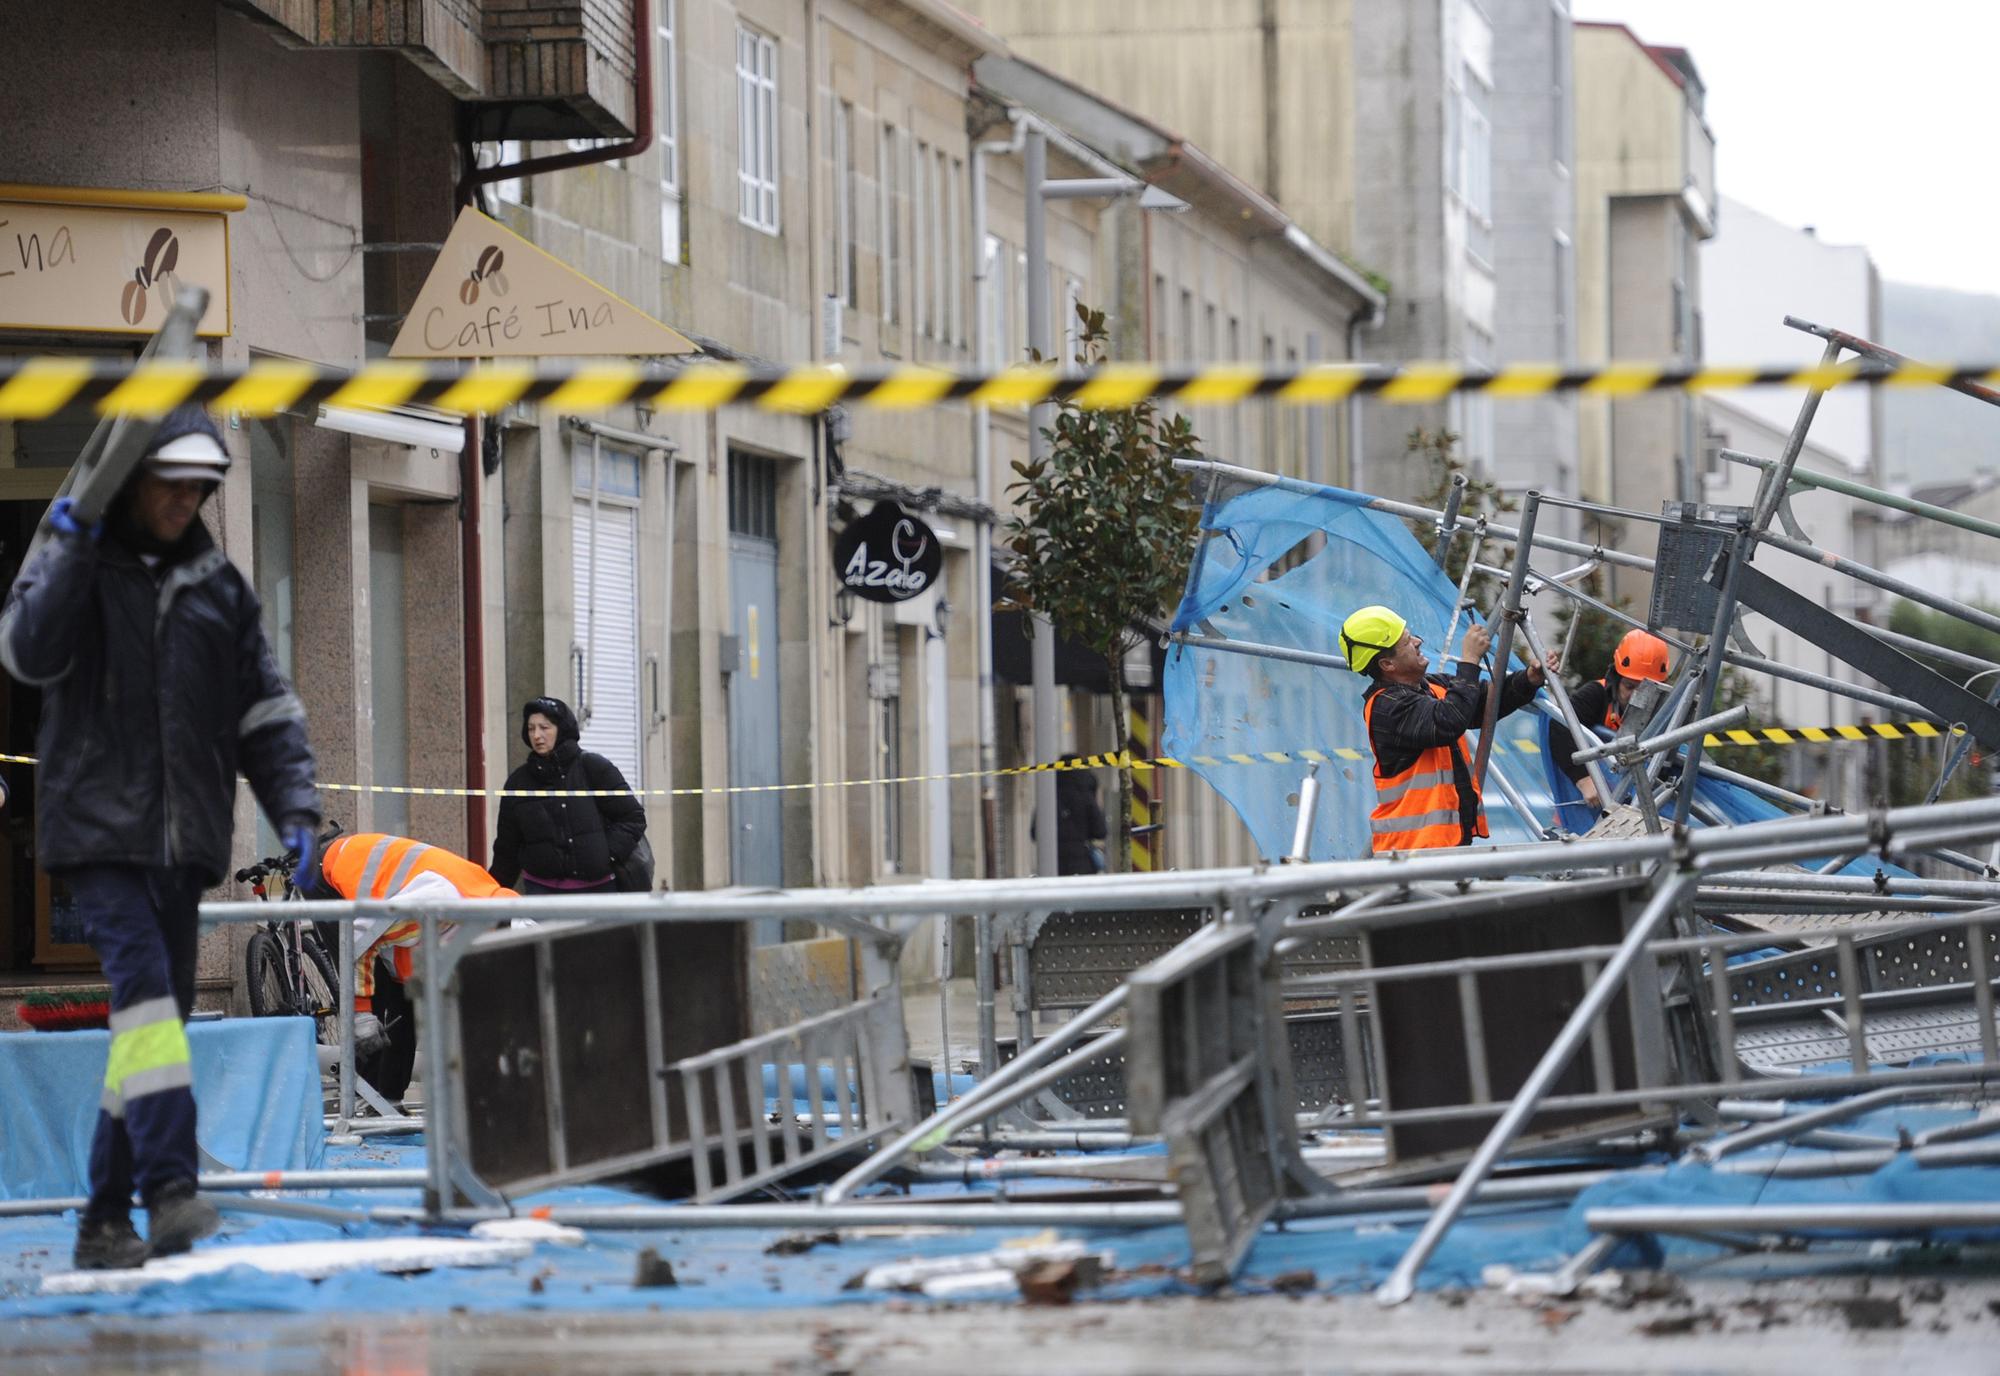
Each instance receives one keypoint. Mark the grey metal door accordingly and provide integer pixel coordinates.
(756, 850)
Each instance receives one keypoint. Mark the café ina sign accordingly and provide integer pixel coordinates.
(887, 555)
(110, 262)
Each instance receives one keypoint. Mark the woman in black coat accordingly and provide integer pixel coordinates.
(563, 845)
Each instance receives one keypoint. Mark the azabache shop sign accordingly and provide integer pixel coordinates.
(887, 555)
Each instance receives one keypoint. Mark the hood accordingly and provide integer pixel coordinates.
(557, 711)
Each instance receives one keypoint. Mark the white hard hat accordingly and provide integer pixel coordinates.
(194, 456)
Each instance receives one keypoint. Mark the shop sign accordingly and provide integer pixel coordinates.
(108, 269)
(887, 555)
(494, 294)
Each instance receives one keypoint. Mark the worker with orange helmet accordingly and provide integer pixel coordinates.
(1641, 657)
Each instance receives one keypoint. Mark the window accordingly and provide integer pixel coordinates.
(1185, 352)
(1478, 167)
(757, 130)
(841, 155)
(1210, 343)
(955, 212)
(996, 302)
(753, 496)
(1159, 318)
(920, 240)
(889, 185)
(1072, 330)
(943, 262)
(1565, 299)
(507, 189)
(667, 119)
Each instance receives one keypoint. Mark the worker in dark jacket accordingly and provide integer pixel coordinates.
(1425, 795)
(564, 844)
(157, 688)
(1640, 657)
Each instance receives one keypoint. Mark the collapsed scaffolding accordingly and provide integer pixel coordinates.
(1320, 1038)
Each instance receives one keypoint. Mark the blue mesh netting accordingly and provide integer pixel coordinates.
(1221, 703)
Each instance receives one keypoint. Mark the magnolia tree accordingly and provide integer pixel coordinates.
(1104, 529)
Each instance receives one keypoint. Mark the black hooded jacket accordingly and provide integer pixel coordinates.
(158, 686)
(564, 838)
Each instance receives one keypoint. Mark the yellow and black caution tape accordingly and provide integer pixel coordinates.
(32, 388)
(1763, 735)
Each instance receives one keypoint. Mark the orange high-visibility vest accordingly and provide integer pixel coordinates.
(1418, 808)
(373, 865)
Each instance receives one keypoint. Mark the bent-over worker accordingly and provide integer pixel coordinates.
(1425, 795)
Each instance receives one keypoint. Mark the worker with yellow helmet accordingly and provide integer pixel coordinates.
(1425, 795)
(1641, 657)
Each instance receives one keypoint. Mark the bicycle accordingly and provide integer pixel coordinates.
(287, 968)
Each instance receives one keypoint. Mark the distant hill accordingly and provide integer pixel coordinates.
(1932, 435)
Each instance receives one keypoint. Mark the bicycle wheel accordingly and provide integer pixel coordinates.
(320, 997)
(264, 972)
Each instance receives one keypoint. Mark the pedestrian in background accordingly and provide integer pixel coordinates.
(158, 687)
(568, 844)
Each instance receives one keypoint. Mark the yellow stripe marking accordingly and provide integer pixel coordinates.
(1348, 752)
(1277, 757)
(1742, 737)
(1850, 733)
(1524, 380)
(1323, 383)
(1169, 762)
(379, 385)
(1117, 385)
(1208, 760)
(1916, 375)
(1017, 386)
(703, 387)
(42, 387)
(154, 390)
(1814, 734)
(485, 390)
(1421, 382)
(1623, 380)
(1777, 735)
(908, 388)
(1529, 747)
(1224, 386)
(1924, 729)
(1312, 757)
(1824, 377)
(1243, 759)
(1888, 730)
(267, 387)
(806, 390)
(597, 387)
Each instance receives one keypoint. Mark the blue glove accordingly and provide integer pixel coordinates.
(62, 518)
(298, 832)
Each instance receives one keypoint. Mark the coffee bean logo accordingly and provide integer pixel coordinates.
(155, 270)
(487, 271)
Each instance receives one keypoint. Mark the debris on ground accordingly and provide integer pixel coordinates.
(654, 1271)
(1295, 1282)
(1056, 1282)
(797, 1244)
(1680, 1325)
(1867, 1312)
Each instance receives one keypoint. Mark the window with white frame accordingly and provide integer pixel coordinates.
(1565, 299)
(840, 155)
(1071, 328)
(888, 195)
(1478, 134)
(996, 302)
(667, 131)
(757, 129)
(1160, 342)
(943, 262)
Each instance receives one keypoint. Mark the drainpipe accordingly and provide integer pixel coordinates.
(982, 481)
(472, 579)
(472, 584)
(642, 122)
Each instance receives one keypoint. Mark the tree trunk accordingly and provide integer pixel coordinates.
(1119, 846)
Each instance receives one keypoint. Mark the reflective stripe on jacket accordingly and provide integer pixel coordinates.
(1418, 807)
(372, 865)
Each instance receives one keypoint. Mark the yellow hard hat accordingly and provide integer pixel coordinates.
(1368, 633)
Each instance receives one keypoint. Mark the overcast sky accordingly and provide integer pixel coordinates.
(1871, 121)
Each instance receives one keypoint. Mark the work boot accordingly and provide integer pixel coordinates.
(107, 1244)
(370, 1036)
(177, 1218)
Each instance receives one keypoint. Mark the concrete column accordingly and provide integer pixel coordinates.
(434, 670)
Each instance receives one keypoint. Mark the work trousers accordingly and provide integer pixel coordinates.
(143, 924)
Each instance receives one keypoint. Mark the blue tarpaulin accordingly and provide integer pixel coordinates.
(256, 1089)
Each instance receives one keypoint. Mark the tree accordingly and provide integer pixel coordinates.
(1104, 530)
(1437, 451)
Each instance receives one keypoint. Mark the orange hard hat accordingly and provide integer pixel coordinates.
(1641, 654)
